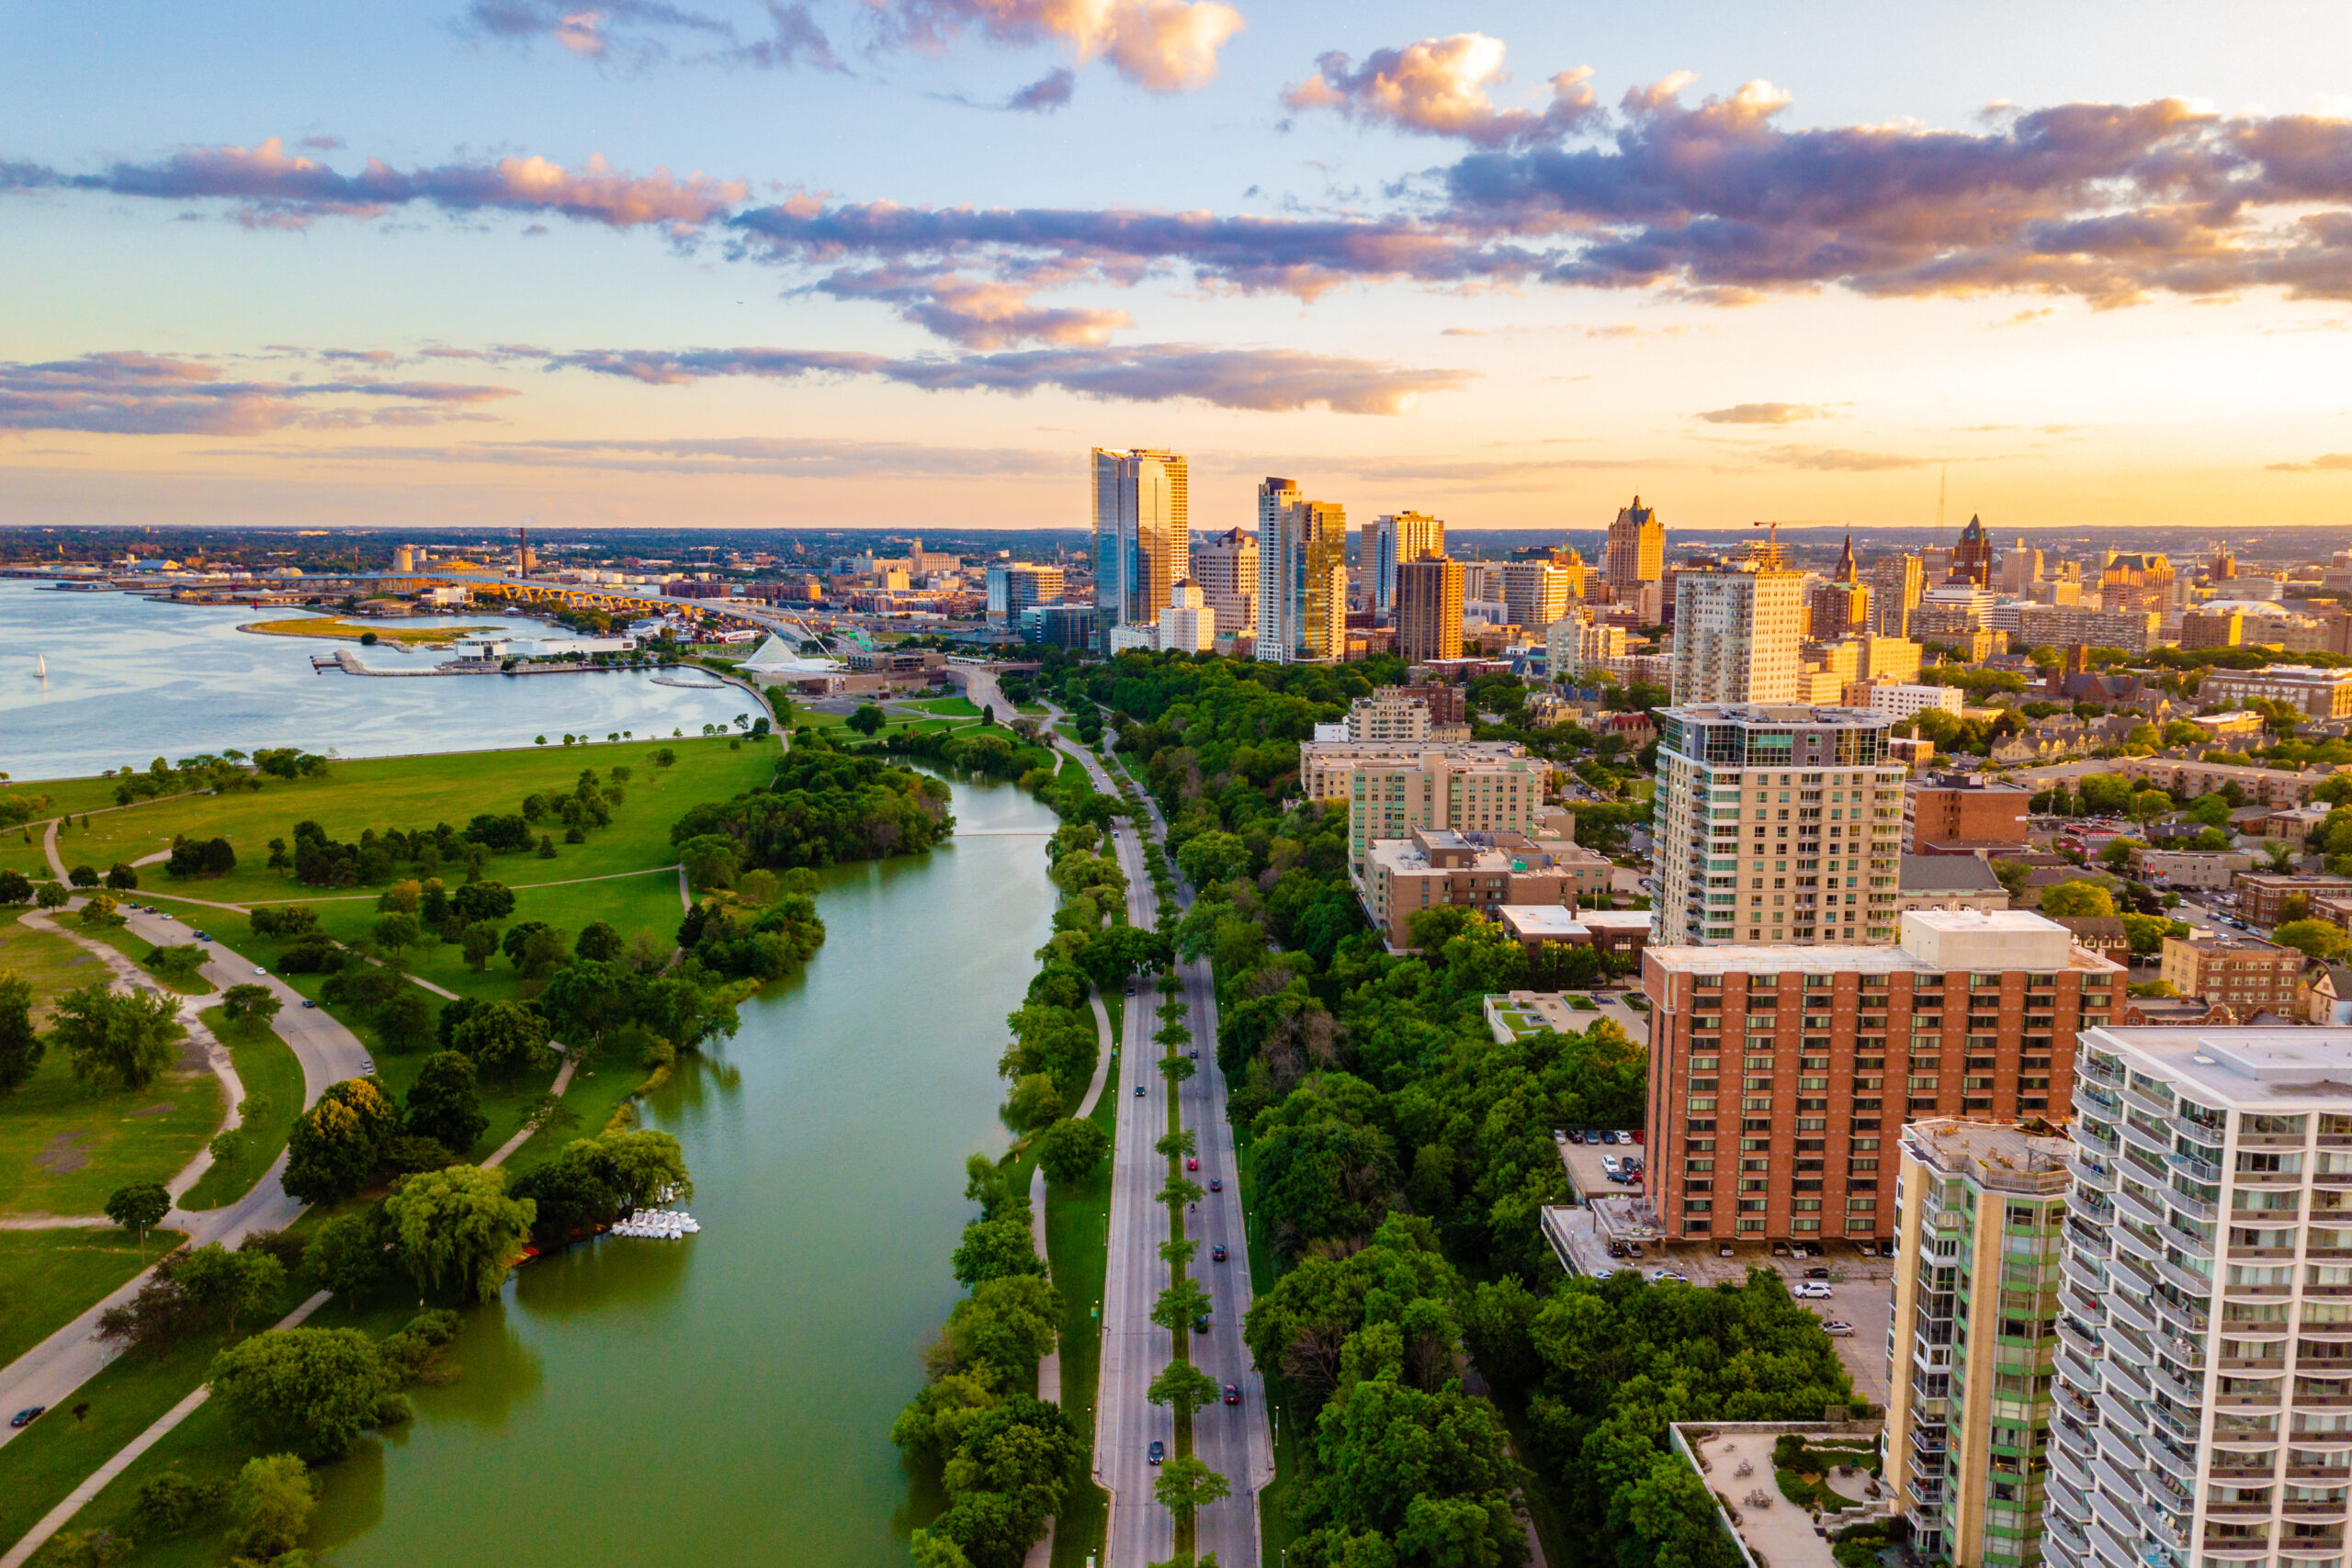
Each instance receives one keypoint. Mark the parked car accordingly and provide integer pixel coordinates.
(27, 1415)
(1576, 1135)
(1155, 1453)
(1200, 1323)
(1635, 1135)
(1232, 1394)
(1616, 1249)
(1656, 1275)
(201, 936)
(1779, 1249)
(1633, 1249)
(1611, 1164)
(1811, 1291)
(1837, 1329)
(1722, 1249)
(1816, 1273)
(1216, 1253)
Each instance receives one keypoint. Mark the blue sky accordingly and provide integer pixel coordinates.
(1548, 349)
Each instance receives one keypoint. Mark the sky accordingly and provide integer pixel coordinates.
(902, 263)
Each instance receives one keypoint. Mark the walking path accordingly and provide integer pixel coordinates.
(1049, 1369)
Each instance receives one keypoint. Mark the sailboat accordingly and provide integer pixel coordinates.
(40, 665)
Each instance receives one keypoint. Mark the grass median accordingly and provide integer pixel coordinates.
(50, 1278)
(272, 1077)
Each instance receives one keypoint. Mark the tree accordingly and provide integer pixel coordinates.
(271, 1503)
(139, 1207)
(442, 1103)
(396, 933)
(178, 965)
(224, 1283)
(15, 887)
(1187, 1483)
(457, 1231)
(1007, 1325)
(336, 1143)
(598, 940)
(2312, 939)
(1180, 1303)
(866, 720)
(2148, 805)
(1181, 1190)
(313, 1390)
(483, 901)
(122, 877)
(1176, 1069)
(405, 1020)
(121, 1038)
(712, 860)
(2076, 898)
(100, 909)
(348, 1253)
(479, 940)
(169, 1502)
(52, 895)
(82, 877)
(995, 1247)
(1214, 857)
(21, 1046)
(1070, 1150)
(1034, 1101)
(1184, 1386)
(504, 1039)
(250, 1005)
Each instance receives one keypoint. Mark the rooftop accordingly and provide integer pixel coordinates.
(1947, 873)
(2310, 1065)
(1944, 939)
(1777, 716)
(1990, 1154)
(2214, 942)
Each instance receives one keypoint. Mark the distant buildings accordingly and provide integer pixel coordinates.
(1389, 540)
(1015, 586)
(2319, 694)
(1954, 810)
(1429, 610)
(1302, 576)
(1972, 559)
(1225, 566)
(2244, 974)
(1635, 552)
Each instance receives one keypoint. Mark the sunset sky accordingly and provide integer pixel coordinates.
(899, 262)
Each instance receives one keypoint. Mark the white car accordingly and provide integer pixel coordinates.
(1811, 1290)
(1837, 1329)
(1611, 1164)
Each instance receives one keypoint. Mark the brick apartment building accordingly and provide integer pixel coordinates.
(2263, 896)
(1951, 808)
(1485, 871)
(2244, 974)
(1779, 1077)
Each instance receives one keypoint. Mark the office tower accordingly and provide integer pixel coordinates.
(1739, 823)
(1323, 587)
(1224, 567)
(1636, 549)
(1979, 1223)
(1971, 558)
(2020, 569)
(1735, 637)
(1393, 537)
(2136, 582)
(2203, 1395)
(1896, 582)
(1187, 625)
(1014, 586)
(1535, 593)
(1576, 646)
(1282, 566)
(1142, 540)
(1778, 1074)
(1429, 609)
(1578, 573)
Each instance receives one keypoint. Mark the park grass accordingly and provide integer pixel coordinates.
(273, 1079)
(46, 960)
(1077, 1224)
(418, 792)
(52, 1115)
(136, 949)
(336, 627)
(50, 1278)
(952, 707)
(21, 852)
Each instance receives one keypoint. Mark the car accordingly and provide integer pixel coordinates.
(27, 1415)
(1616, 1249)
(1191, 1162)
(1216, 1253)
(1837, 1329)
(1658, 1275)
(1559, 1135)
(1200, 1323)
(1633, 1249)
(309, 1003)
(1232, 1394)
(201, 936)
(1576, 1135)
(259, 970)
(1722, 1249)
(1635, 1135)
(159, 914)
(1816, 1273)
(1155, 1453)
(1611, 1163)
(1216, 1185)
(368, 1065)
(1811, 1291)
(1196, 1053)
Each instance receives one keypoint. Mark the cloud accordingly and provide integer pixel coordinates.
(1262, 380)
(2331, 462)
(1162, 46)
(1048, 93)
(1439, 86)
(148, 394)
(282, 191)
(975, 313)
(797, 458)
(1838, 459)
(1765, 413)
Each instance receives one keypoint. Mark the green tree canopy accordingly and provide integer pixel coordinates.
(311, 1391)
(2312, 939)
(121, 1038)
(139, 1207)
(21, 1046)
(1070, 1150)
(2076, 898)
(457, 1231)
(443, 1104)
(336, 1143)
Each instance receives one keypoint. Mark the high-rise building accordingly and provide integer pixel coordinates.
(2203, 1395)
(2136, 580)
(1187, 625)
(1739, 864)
(1142, 539)
(1896, 582)
(1839, 606)
(1777, 1074)
(1389, 798)
(1576, 646)
(1388, 539)
(1980, 1215)
(1429, 609)
(1224, 567)
(1735, 637)
(1971, 558)
(1635, 552)
(1535, 593)
(1014, 586)
(1301, 575)
(2020, 567)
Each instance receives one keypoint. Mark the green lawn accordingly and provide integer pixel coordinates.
(65, 1145)
(418, 792)
(952, 707)
(136, 949)
(273, 1079)
(20, 851)
(50, 1278)
(46, 960)
(1078, 1222)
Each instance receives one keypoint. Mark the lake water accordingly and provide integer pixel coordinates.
(728, 1399)
(130, 680)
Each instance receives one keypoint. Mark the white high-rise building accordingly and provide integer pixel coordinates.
(1187, 625)
(1281, 564)
(1302, 576)
(1737, 635)
(1536, 593)
(1761, 812)
(1142, 540)
(1224, 567)
(1390, 539)
(2203, 1363)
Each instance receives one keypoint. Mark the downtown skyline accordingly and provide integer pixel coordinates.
(845, 265)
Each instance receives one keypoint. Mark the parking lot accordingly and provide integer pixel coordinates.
(1592, 1179)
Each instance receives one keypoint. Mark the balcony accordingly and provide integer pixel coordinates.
(2140, 1100)
(2130, 1205)
(2131, 1310)
(2099, 1136)
(2091, 1067)
(2080, 1338)
(2178, 1389)
(2088, 1274)
(2089, 1170)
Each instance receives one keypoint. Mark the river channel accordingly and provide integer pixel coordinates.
(728, 1399)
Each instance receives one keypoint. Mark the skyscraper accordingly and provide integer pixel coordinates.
(1392, 538)
(1301, 575)
(1896, 582)
(1536, 593)
(1429, 609)
(1142, 537)
(1226, 567)
(1972, 559)
(1735, 637)
(1636, 549)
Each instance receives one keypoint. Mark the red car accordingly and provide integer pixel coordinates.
(1191, 1163)
(1232, 1394)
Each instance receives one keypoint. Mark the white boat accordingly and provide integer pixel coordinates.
(40, 665)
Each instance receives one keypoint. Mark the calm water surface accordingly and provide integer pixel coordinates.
(130, 680)
(728, 1399)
